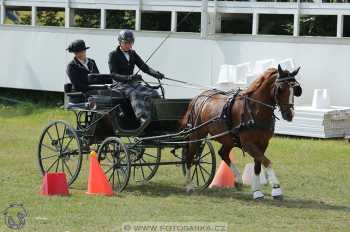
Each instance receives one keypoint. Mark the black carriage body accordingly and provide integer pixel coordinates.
(114, 116)
(105, 122)
(166, 116)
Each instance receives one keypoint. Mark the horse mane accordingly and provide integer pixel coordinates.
(266, 77)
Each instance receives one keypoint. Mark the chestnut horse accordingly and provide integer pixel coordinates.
(249, 118)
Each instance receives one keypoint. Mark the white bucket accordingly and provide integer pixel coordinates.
(321, 99)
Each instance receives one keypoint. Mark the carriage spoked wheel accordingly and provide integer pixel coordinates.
(204, 166)
(145, 163)
(115, 161)
(59, 150)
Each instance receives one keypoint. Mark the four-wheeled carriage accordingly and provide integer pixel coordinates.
(125, 149)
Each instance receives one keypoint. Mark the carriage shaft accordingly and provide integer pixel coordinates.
(160, 163)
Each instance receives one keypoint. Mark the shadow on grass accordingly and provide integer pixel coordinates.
(162, 190)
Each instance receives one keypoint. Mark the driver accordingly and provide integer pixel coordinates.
(121, 64)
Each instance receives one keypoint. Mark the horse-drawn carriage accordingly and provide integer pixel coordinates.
(243, 119)
(126, 150)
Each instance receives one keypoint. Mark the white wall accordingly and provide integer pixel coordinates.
(35, 58)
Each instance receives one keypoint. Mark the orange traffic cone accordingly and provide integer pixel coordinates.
(98, 183)
(224, 177)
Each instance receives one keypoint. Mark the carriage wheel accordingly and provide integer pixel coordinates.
(59, 150)
(150, 158)
(204, 166)
(115, 161)
(83, 119)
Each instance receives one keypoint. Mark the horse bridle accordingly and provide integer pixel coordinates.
(294, 88)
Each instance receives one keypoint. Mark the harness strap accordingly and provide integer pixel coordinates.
(227, 110)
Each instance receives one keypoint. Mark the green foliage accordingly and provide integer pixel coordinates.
(156, 21)
(120, 19)
(239, 24)
(318, 25)
(20, 16)
(275, 24)
(50, 17)
(25, 19)
(17, 97)
(88, 18)
(12, 110)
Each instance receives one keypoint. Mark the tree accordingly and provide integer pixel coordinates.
(318, 25)
(50, 17)
(120, 19)
(89, 18)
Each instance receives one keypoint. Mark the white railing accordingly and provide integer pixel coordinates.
(211, 10)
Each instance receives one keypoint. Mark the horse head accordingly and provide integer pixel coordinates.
(285, 89)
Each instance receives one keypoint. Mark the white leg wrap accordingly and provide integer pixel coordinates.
(188, 175)
(257, 194)
(255, 183)
(271, 176)
(276, 192)
(238, 176)
(189, 185)
(275, 184)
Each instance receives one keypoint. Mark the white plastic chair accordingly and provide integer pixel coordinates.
(287, 64)
(240, 73)
(262, 65)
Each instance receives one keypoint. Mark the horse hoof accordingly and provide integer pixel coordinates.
(278, 198)
(276, 193)
(190, 188)
(258, 195)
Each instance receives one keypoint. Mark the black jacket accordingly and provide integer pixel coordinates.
(118, 64)
(78, 74)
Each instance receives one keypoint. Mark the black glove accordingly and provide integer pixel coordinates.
(155, 74)
(159, 75)
(99, 79)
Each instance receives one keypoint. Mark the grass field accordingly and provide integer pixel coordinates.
(314, 175)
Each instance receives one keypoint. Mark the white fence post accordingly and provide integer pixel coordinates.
(204, 19)
(34, 13)
(2, 12)
(340, 25)
(138, 20)
(255, 29)
(103, 19)
(173, 21)
(296, 24)
(67, 15)
(138, 16)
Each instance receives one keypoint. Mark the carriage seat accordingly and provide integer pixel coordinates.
(97, 92)
(73, 96)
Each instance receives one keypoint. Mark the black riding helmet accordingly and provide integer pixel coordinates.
(77, 46)
(126, 36)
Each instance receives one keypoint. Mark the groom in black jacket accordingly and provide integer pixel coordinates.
(121, 63)
(81, 66)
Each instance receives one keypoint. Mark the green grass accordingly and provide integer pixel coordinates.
(314, 175)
